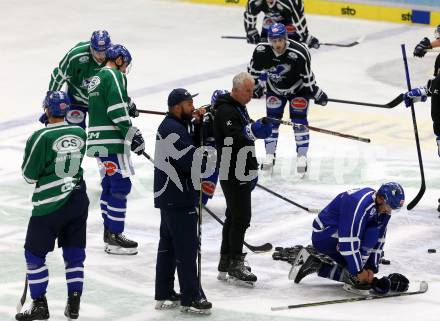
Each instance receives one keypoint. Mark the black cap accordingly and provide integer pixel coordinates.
(178, 95)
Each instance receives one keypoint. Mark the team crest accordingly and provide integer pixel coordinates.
(260, 48)
(273, 102)
(292, 55)
(75, 116)
(84, 59)
(111, 168)
(94, 82)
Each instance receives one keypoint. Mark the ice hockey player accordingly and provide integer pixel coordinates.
(52, 161)
(110, 136)
(425, 44)
(235, 132)
(281, 67)
(351, 231)
(290, 13)
(176, 198)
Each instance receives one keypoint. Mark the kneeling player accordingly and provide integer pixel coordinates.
(351, 231)
(52, 161)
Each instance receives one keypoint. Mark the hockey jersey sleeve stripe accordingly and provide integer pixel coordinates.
(349, 239)
(117, 106)
(66, 57)
(51, 199)
(105, 141)
(121, 119)
(30, 181)
(117, 85)
(55, 183)
(102, 128)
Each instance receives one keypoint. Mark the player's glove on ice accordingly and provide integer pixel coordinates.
(382, 285)
(399, 282)
(420, 49)
(415, 95)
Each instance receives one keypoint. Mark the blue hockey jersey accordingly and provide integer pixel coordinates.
(352, 221)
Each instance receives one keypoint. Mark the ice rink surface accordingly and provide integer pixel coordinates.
(178, 44)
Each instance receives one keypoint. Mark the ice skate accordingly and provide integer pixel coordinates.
(239, 274)
(304, 264)
(268, 163)
(301, 165)
(173, 301)
(201, 306)
(37, 311)
(72, 306)
(106, 236)
(223, 266)
(118, 244)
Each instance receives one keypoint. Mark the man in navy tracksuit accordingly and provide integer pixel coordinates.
(176, 198)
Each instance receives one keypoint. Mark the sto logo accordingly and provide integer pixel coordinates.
(111, 168)
(273, 102)
(208, 188)
(75, 116)
(299, 103)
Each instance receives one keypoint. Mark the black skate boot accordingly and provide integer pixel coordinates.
(171, 302)
(37, 311)
(120, 245)
(223, 266)
(305, 264)
(238, 272)
(353, 285)
(72, 306)
(106, 236)
(201, 306)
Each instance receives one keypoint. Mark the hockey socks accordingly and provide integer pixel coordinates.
(37, 274)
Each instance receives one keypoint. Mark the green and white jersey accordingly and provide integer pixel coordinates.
(109, 121)
(76, 68)
(52, 159)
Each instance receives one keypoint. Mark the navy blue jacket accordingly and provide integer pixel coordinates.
(167, 193)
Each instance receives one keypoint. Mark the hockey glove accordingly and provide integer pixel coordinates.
(43, 119)
(415, 95)
(258, 91)
(320, 96)
(252, 36)
(132, 110)
(399, 282)
(312, 42)
(258, 130)
(420, 49)
(382, 285)
(138, 143)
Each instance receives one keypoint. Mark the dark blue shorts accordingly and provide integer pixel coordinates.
(67, 224)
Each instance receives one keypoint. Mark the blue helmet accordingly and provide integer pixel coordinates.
(393, 194)
(216, 93)
(100, 40)
(116, 51)
(276, 31)
(57, 103)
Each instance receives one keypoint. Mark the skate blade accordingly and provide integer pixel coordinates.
(117, 250)
(166, 305)
(234, 281)
(302, 256)
(191, 310)
(222, 276)
(351, 289)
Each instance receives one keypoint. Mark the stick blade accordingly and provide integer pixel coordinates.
(260, 249)
(416, 199)
(423, 286)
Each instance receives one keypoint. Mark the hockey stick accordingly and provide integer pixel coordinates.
(393, 103)
(23, 296)
(310, 210)
(422, 289)
(416, 135)
(316, 129)
(256, 249)
(345, 45)
(143, 111)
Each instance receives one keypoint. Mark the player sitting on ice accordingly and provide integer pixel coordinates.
(351, 231)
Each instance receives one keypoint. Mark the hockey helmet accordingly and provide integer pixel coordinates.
(393, 194)
(216, 94)
(100, 40)
(57, 103)
(115, 51)
(277, 31)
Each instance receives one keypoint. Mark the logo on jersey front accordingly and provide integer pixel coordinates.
(277, 73)
(273, 102)
(260, 48)
(208, 188)
(68, 144)
(299, 103)
(75, 116)
(292, 55)
(111, 168)
(84, 59)
(94, 82)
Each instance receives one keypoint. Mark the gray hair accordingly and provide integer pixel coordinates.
(240, 79)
